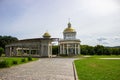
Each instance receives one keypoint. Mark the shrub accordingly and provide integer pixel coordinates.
(4, 63)
(14, 62)
(29, 58)
(1, 51)
(23, 60)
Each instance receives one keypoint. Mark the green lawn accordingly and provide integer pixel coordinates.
(11, 60)
(98, 69)
(103, 56)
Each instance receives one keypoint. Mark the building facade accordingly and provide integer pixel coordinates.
(37, 47)
(42, 47)
(69, 45)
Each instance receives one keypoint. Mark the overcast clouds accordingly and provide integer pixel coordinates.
(96, 21)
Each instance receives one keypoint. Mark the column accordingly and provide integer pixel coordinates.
(29, 51)
(48, 50)
(50, 55)
(75, 48)
(60, 49)
(17, 51)
(7, 51)
(67, 50)
(22, 51)
(38, 50)
(10, 51)
(78, 49)
(63, 49)
(14, 51)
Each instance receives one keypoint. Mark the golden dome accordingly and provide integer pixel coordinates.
(69, 28)
(46, 35)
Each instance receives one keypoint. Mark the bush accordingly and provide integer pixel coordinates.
(1, 51)
(14, 62)
(23, 60)
(4, 63)
(29, 58)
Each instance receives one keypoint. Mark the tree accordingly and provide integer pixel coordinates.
(99, 49)
(1, 51)
(87, 50)
(91, 50)
(84, 50)
(4, 40)
(55, 50)
(106, 51)
(115, 51)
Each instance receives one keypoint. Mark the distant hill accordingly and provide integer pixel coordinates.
(112, 47)
(116, 46)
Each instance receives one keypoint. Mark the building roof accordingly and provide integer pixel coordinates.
(32, 40)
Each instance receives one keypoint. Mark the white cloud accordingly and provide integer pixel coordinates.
(101, 7)
(92, 19)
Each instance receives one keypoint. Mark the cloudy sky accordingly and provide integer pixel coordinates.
(96, 21)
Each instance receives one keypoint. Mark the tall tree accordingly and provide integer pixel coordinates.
(4, 40)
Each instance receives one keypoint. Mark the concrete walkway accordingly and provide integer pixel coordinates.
(43, 69)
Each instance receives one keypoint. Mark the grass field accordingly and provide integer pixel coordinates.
(11, 61)
(94, 68)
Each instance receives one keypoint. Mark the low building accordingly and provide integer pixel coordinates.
(37, 47)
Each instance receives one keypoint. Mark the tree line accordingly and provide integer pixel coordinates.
(99, 50)
(93, 50)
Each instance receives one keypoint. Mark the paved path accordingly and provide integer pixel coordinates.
(43, 69)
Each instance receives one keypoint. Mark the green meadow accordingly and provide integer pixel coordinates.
(93, 68)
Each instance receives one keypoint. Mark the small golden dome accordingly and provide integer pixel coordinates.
(46, 35)
(69, 28)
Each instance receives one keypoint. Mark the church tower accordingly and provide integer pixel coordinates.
(69, 45)
(69, 33)
(46, 45)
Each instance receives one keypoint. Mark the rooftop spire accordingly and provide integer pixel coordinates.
(69, 24)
